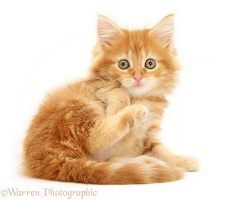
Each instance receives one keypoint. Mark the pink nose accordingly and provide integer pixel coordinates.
(138, 77)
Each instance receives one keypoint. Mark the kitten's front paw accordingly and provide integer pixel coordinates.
(188, 163)
(139, 115)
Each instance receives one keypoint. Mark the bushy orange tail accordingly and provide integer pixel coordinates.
(95, 172)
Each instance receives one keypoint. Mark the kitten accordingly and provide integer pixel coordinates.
(105, 129)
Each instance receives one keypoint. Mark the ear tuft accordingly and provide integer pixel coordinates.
(107, 30)
(164, 32)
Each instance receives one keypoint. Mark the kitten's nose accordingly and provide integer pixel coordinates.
(138, 77)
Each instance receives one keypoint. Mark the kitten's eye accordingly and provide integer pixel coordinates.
(123, 64)
(150, 64)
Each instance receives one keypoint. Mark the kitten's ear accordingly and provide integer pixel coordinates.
(164, 32)
(107, 31)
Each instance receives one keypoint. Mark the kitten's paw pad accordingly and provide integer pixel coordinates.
(140, 114)
(188, 163)
(135, 114)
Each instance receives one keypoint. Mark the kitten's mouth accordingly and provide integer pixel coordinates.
(137, 86)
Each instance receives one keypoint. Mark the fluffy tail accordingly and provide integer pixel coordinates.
(94, 172)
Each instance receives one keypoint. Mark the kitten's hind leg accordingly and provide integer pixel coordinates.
(186, 162)
(109, 130)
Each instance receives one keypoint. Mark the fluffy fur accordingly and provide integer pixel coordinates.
(105, 129)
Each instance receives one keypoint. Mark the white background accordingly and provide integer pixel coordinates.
(44, 44)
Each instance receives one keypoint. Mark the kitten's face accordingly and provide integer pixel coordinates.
(143, 61)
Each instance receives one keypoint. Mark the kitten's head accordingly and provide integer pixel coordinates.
(143, 61)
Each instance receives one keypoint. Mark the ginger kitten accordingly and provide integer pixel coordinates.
(105, 129)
